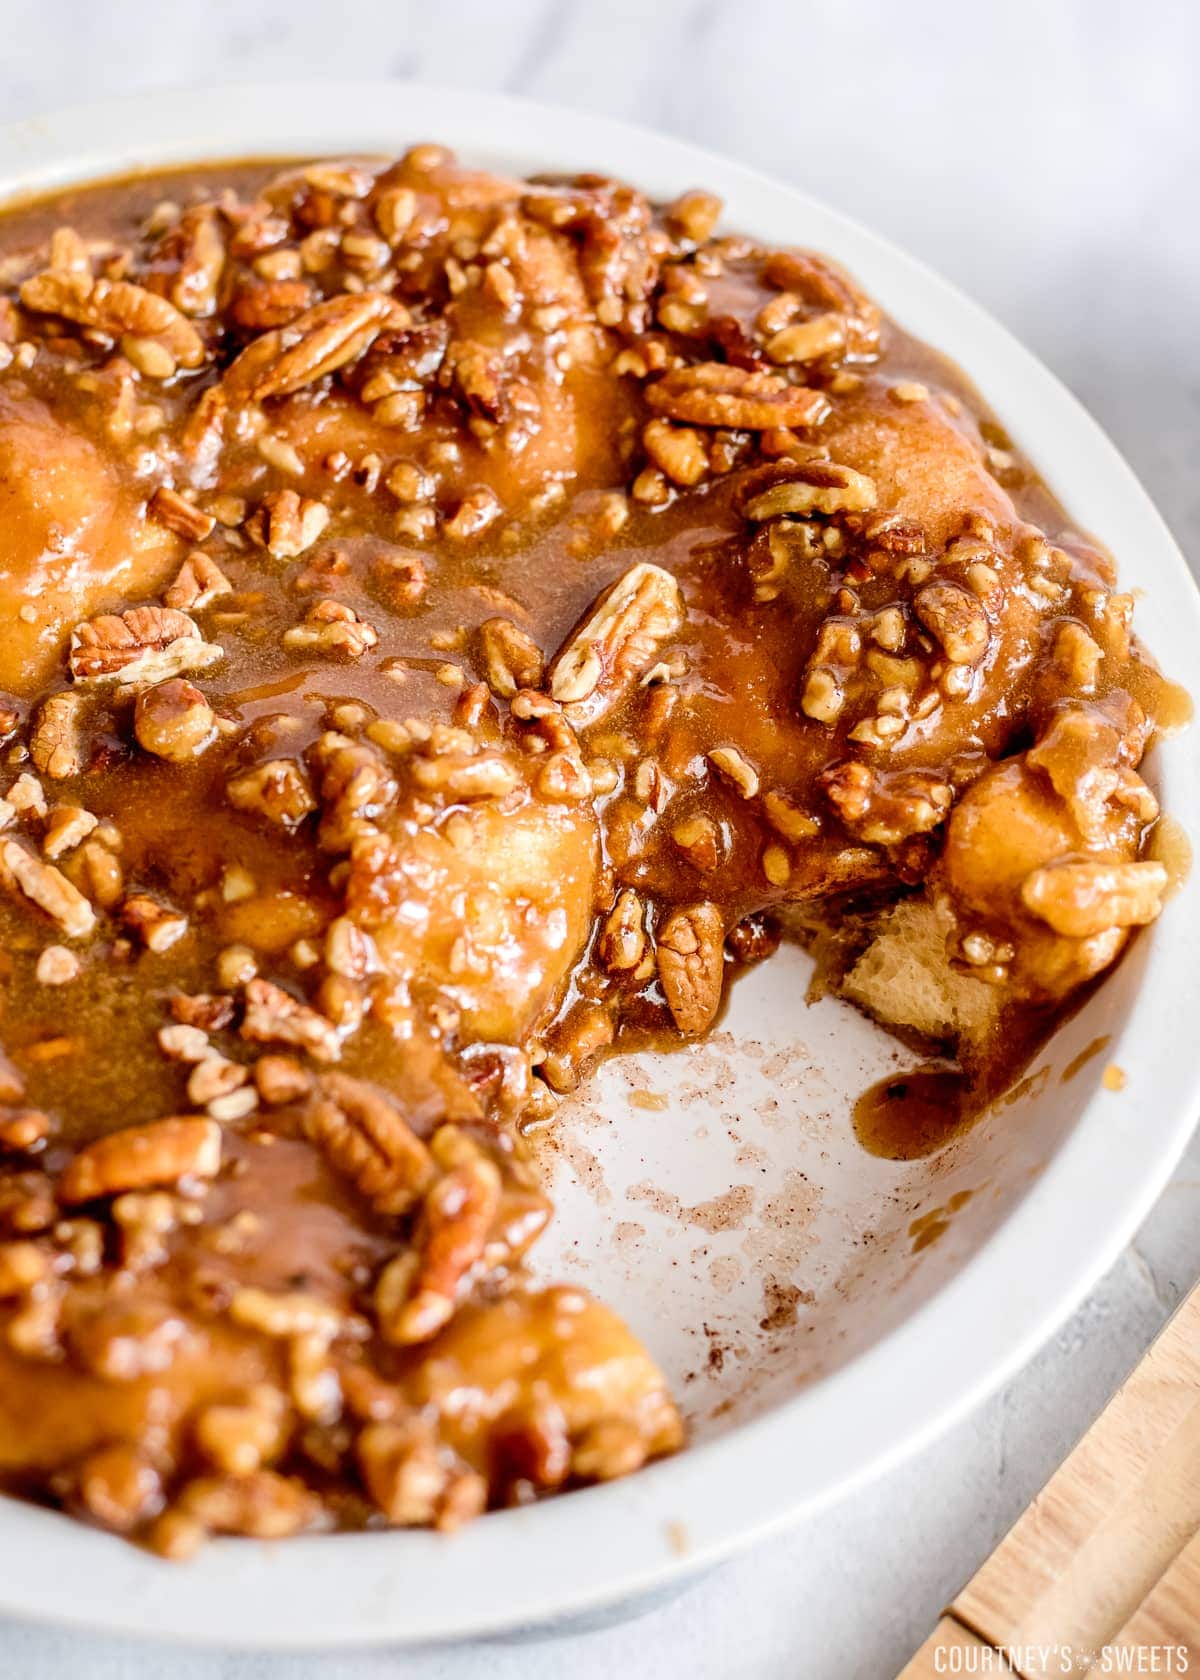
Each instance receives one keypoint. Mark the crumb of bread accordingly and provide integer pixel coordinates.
(904, 979)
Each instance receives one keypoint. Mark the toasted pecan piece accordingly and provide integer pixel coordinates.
(319, 341)
(617, 641)
(367, 1138)
(143, 645)
(119, 309)
(717, 394)
(418, 1290)
(138, 1157)
(48, 888)
(273, 1016)
(691, 965)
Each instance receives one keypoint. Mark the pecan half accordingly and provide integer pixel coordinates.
(321, 340)
(617, 641)
(56, 743)
(717, 394)
(1080, 900)
(367, 1138)
(143, 645)
(161, 1152)
(691, 965)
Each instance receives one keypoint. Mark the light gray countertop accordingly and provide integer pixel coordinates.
(1044, 155)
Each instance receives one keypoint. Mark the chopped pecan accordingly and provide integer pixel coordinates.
(205, 1010)
(739, 399)
(67, 826)
(1079, 900)
(691, 965)
(512, 660)
(142, 645)
(356, 787)
(736, 768)
(196, 246)
(616, 642)
(623, 939)
(807, 281)
(197, 584)
(332, 627)
(48, 888)
(807, 341)
(26, 1128)
(292, 1313)
(118, 1487)
(22, 1265)
(240, 1439)
(693, 215)
(413, 1480)
(278, 790)
(417, 1291)
(259, 305)
(27, 795)
(367, 1138)
(156, 925)
(120, 310)
(286, 523)
(56, 744)
(174, 511)
(956, 618)
(264, 1505)
(400, 579)
(281, 1079)
(138, 1157)
(466, 775)
(174, 721)
(808, 487)
(273, 1016)
(883, 807)
(677, 451)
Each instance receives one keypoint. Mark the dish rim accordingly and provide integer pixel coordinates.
(533, 1567)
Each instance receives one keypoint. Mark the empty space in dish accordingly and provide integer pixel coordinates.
(717, 1195)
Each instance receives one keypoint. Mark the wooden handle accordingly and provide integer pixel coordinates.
(1108, 1554)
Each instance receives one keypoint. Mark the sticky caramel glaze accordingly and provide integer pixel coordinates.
(906, 1116)
(469, 892)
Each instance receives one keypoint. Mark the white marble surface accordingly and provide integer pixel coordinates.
(1043, 154)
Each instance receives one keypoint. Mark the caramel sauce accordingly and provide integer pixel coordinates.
(1170, 846)
(525, 395)
(907, 1116)
(1087, 1054)
(927, 1228)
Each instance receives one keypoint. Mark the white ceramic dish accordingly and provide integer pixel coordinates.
(730, 1226)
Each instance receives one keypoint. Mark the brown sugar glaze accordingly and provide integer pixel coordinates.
(449, 622)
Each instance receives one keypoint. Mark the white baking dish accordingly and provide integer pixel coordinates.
(809, 1344)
